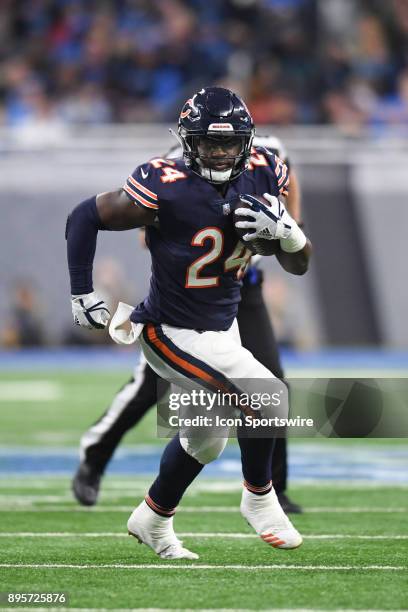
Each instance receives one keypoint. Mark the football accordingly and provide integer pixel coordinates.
(260, 246)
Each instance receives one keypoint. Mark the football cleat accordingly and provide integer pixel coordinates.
(157, 532)
(265, 515)
(85, 484)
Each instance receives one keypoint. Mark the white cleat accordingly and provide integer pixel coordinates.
(157, 532)
(265, 515)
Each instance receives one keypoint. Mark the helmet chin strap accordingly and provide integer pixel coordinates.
(214, 176)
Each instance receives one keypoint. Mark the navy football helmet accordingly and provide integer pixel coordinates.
(216, 131)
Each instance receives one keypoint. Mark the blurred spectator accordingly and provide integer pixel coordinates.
(86, 105)
(392, 109)
(296, 61)
(24, 327)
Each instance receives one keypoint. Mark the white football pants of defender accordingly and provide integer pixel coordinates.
(221, 351)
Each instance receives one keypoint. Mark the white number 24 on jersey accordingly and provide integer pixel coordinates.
(238, 258)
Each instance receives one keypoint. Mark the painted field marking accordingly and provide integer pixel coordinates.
(21, 505)
(369, 466)
(59, 609)
(143, 566)
(32, 499)
(190, 534)
(122, 485)
(22, 498)
(30, 391)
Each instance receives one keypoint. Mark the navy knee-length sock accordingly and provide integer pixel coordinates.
(256, 459)
(177, 471)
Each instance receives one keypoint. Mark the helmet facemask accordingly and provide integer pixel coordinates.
(218, 157)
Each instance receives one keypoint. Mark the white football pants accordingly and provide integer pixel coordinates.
(186, 355)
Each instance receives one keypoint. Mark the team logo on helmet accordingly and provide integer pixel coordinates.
(190, 110)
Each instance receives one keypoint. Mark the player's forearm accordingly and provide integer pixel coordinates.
(298, 262)
(81, 234)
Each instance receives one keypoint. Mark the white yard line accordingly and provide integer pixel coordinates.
(190, 534)
(22, 498)
(30, 391)
(32, 499)
(59, 609)
(123, 485)
(192, 566)
(22, 504)
(353, 509)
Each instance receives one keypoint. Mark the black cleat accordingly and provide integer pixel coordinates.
(85, 484)
(288, 506)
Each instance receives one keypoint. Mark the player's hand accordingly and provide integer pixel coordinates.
(271, 223)
(294, 239)
(88, 310)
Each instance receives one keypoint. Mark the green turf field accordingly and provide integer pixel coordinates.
(62, 405)
(75, 401)
(354, 556)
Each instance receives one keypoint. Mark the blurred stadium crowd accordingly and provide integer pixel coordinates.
(342, 62)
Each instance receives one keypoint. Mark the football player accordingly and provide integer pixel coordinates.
(188, 320)
(139, 394)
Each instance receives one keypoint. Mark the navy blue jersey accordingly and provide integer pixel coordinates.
(194, 247)
(254, 276)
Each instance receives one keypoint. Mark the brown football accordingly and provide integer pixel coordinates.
(260, 246)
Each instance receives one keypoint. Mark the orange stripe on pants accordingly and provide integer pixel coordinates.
(191, 369)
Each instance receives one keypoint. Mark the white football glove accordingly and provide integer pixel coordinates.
(88, 310)
(267, 224)
(273, 224)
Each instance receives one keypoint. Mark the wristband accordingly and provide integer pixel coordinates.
(295, 241)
